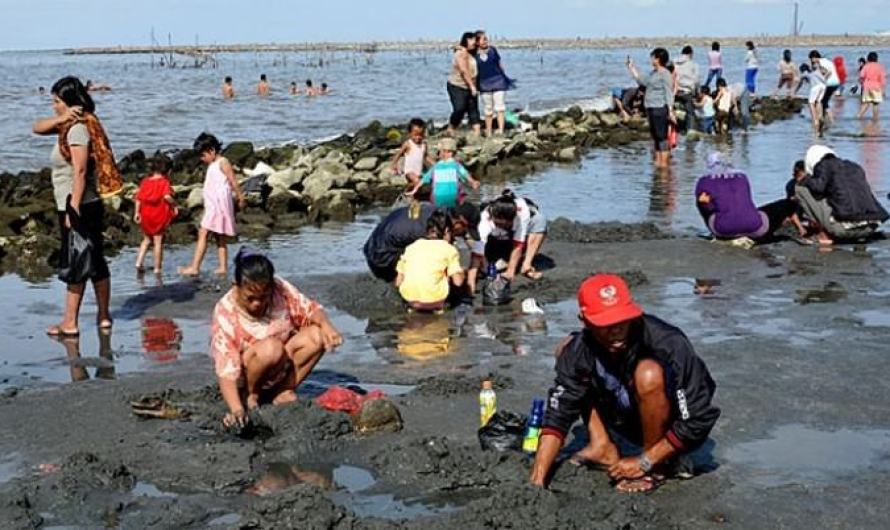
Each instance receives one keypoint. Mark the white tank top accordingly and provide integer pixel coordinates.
(414, 158)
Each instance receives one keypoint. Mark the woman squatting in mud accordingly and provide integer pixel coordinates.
(266, 337)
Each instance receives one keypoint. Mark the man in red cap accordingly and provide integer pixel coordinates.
(629, 373)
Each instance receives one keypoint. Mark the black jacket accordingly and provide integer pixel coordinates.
(844, 185)
(579, 386)
(392, 236)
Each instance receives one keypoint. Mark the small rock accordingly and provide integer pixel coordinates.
(368, 163)
(575, 113)
(286, 178)
(568, 154)
(609, 119)
(195, 198)
(377, 415)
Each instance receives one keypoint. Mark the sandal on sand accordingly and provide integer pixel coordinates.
(638, 485)
(57, 331)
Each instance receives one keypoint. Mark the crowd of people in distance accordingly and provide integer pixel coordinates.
(264, 88)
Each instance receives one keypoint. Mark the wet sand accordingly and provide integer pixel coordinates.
(795, 338)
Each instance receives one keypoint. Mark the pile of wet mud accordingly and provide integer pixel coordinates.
(562, 229)
(290, 186)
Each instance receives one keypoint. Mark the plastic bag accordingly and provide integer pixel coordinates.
(497, 291)
(339, 399)
(80, 253)
(503, 432)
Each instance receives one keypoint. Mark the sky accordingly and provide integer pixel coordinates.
(45, 24)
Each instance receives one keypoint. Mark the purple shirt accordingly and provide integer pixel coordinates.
(731, 212)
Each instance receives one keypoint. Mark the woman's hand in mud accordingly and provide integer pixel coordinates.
(626, 468)
(238, 418)
(330, 337)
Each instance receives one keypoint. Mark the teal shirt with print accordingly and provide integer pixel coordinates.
(446, 178)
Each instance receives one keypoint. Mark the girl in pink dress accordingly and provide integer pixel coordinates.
(219, 209)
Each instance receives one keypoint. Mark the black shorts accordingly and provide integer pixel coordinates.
(658, 127)
(92, 223)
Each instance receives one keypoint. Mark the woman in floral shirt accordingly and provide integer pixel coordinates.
(265, 339)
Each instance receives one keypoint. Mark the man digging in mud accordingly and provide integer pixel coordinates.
(631, 374)
(265, 338)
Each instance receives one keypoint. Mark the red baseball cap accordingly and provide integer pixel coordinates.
(604, 300)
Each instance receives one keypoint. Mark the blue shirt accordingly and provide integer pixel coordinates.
(446, 177)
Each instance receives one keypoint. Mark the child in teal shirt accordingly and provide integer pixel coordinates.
(446, 177)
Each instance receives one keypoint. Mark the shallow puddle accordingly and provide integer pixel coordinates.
(797, 453)
(146, 489)
(10, 467)
(227, 519)
(874, 318)
(829, 293)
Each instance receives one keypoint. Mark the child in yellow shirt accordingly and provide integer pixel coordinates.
(427, 265)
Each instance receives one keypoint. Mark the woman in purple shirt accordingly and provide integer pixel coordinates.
(724, 200)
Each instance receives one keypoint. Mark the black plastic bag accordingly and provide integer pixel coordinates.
(503, 432)
(497, 291)
(80, 253)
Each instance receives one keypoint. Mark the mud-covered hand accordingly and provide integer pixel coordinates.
(626, 468)
(238, 419)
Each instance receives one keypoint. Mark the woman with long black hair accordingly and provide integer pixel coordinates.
(78, 203)
(462, 89)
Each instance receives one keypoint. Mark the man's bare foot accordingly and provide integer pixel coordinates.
(188, 271)
(253, 401)
(593, 458)
(637, 485)
(285, 396)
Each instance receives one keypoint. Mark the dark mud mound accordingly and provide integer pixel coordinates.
(452, 384)
(360, 295)
(562, 229)
(300, 507)
(553, 288)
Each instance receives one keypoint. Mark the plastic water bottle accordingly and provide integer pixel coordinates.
(492, 270)
(533, 428)
(488, 402)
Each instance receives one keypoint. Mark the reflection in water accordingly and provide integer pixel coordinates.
(871, 158)
(663, 194)
(104, 363)
(280, 475)
(424, 337)
(161, 339)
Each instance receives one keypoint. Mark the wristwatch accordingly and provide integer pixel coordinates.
(645, 464)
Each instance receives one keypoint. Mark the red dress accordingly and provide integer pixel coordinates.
(155, 211)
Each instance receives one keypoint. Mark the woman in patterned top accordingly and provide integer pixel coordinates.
(265, 338)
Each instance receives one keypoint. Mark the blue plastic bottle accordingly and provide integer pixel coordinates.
(533, 428)
(492, 271)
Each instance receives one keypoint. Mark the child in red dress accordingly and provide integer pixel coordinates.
(155, 210)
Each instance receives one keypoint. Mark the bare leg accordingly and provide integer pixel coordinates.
(305, 349)
(477, 129)
(655, 408)
(195, 268)
(223, 255)
(102, 289)
(874, 111)
(488, 120)
(533, 245)
(159, 252)
(259, 362)
(501, 120)
(69, 324)
(862, 108)
(600, 450)
(143, 250)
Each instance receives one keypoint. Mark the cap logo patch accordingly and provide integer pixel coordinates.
(609, 295)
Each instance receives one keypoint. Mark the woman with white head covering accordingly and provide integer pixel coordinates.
(836, 195)
(724, 200)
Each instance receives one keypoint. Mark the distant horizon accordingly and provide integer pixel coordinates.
(438, 41)
(64, 24)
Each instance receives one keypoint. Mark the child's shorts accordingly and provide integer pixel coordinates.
(817, 92)
(872, 96)
(494, 102)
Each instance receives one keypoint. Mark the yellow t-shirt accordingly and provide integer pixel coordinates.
(425, 267)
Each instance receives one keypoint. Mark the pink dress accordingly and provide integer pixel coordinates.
(219, 210)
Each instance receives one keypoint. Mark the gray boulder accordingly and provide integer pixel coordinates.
(195, 198)
(368, 163)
